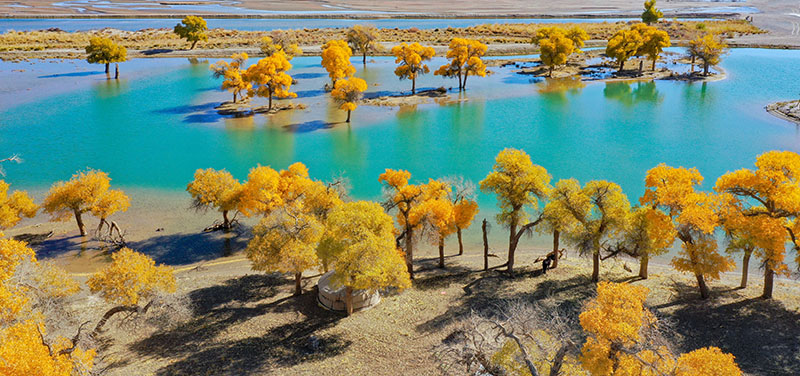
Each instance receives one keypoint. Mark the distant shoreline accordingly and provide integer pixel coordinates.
(371, 16)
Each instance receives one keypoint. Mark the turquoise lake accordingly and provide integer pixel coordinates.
(154, 127)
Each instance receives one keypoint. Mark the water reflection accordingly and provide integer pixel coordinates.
(557, 88)
(628, 95)
(111, 88)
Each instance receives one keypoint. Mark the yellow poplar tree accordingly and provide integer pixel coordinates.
(269, 78)
(212, 189)
(518, 184)
(110, 202)
(654, 41)
(82, 194)
(439, 214)
(359, 243)
(624, 45)
(280, 41)
(593, 215)
(556, 44)
(464, 212)
(336, 60)
(411, 59)
(650, 233)
(364, 39)
(763, 209)
(651, 14)
(193, 29)
(694, 215)
(232, 75)
(347, 92)
(14, 206)
(465, 60)
(104, 51)
(709, 48)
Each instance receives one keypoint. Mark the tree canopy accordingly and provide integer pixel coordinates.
(269, 79)
(465, 60)
(364, 39)
(347, 92)
(193, 29)
(411, 59)
(87, 191)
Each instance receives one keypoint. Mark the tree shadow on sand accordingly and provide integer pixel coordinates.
(763, 335)
(188, 248)
(194, 345)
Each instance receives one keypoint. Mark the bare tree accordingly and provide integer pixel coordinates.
(12, 158)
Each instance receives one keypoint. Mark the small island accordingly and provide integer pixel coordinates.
(789, 110)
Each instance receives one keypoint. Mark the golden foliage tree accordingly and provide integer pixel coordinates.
(359, 243)
(651, 14)
(654, 41)
(708, 48)
(336, 60)
(233, 75)
(694, 215)
(763, 208)
(462, 195)
(218, 190)
(280, 41)
(14, 206)
(193, 29)
(556, 44)
(364, 39)
(104, 51)
(439, 215)
(269, 78)
(649, 233)
(465, 60)
(408, 200)
(411, 59)
(518, 184)
(622, 339)
(347, 92)
(131, 282)
(110, 202)
(624, 45)
(592, 216)
(87, 191)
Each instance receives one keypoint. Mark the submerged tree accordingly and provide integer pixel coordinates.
(651, 14)
(81, 194)
(518, 184)
(465, 60)
(411, 59)
(624, 45)
(359, 244)
(233, 75)
(212, 189)
(556, 44)
(654, 41)
(104, 51)
(694, 216)
(132, 283)
(269, 78)
(15, 206)
(193, 29)
(280, 41)
(708, 48)
(364, 39)
(347, 92)
(336, 60)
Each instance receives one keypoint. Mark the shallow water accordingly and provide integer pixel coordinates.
(133, 24)
(154, 127)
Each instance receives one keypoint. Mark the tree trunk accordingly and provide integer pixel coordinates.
(225, 222)
(643, 262)
(413, 86)
(460, 243)
(551, 71)
(694, 60)
(100, 226)
(621, 65)
(512, 247)
(641, 66)
(116, 71)
(270, 101)
(485, 246)
(460, 82)
(234, 97)
(558, 361)
(107, 70)
(348, 117)
(556, 237)
(705, 68)
(193, 44)
(441, 252)
(654, 63)
(701, 283)
(364, 60)
(298, 287)
(745, 267)
(595, 265)
(464, 85)
(348, 300)
(109, 313)
(79, 219)
(410, 252)
(769, 279)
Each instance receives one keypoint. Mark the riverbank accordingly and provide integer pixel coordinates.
(789, 110)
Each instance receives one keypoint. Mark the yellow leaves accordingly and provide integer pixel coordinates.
(130, 278)
(465, 59)
(411, 58)
(269, 78)
(707, 361)
(336, 60)
(617, 313)
(464, 212)
(285, 241)
(215, 189)
(518, 184)
(280, 42)
(709, 48)
(110, 202)
(103, 51)
(395, 178)
(192, 28)
(348, 92)
(15, 206)
(24, 354)
(87, 191)
(359, 245)
(624, 44)
(364, 39)
(557, 44)
(651, 13)
(232, 74)
(653, 41)
(702, 257)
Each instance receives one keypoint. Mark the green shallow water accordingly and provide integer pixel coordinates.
(154, 127)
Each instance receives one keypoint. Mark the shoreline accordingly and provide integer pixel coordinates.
(374, 16)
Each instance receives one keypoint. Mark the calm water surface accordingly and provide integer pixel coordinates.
(156, 125)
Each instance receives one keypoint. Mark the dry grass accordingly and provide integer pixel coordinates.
(64, 44)
(249, 323)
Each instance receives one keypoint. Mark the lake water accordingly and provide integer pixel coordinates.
(154, 127)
